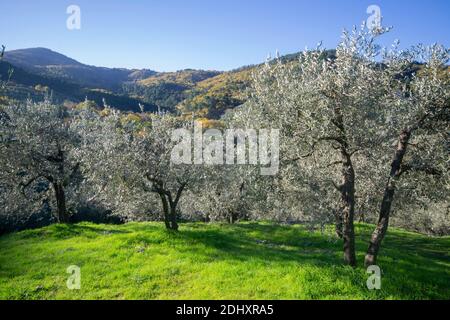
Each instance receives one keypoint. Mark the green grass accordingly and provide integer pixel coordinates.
(213, 261)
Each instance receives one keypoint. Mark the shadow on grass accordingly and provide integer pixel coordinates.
(411, 266)
(65, 231)
(264, 243)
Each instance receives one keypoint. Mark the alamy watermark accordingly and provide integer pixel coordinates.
(73, 22)
(74, 280)
(374, 280)
(214, 147)
(374, 21)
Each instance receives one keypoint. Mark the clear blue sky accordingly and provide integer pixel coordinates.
(167, 35)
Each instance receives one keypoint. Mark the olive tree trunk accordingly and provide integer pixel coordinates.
(165, 210)
(61, 209)
(339, 223)
(170, 207)
(347, 208)
(386, 204)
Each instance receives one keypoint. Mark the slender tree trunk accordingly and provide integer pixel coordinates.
(362, 216)
(165, 210)
(174, 204)
(347, 208)
(170, 207)
(347, 190)
(338, 223)
(173, 216)
(386, 204)
(232, 216)
(60, 203)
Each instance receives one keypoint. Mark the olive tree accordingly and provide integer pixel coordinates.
(340, 116)
(419, 104)
(329, 118)
(152, 154)
(104, 153)
(130, 161)
(38, 148)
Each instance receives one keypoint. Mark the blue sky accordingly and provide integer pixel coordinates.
(168, 35)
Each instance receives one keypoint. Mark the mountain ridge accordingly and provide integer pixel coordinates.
(50, 63)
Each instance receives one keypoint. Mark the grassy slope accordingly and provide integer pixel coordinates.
(244, 261)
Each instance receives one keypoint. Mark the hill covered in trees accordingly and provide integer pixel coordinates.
(26, 84)
(46, 62)
(40, 72)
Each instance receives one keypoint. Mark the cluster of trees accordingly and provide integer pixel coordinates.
(66, 160)
(205, 93)
(362, 128)
(364, 135)
(167, 89)
(165, 95)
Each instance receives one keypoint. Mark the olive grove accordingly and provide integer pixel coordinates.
(364, 136)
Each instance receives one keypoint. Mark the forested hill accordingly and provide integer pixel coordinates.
(207, 94)
(48, 63)
(24, 84)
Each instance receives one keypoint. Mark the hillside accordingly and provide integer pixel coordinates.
(25, 84)
(207, 94)
(187, 93)
(167, 89)
(211, 97)
(212, 261)
(46, 62)
(38, 57)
